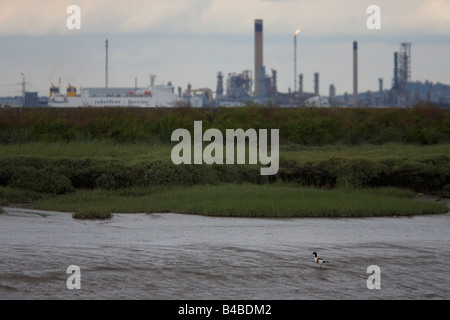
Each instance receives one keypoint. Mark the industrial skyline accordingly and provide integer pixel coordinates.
(193, 42)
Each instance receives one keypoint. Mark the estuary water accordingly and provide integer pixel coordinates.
(173, 256)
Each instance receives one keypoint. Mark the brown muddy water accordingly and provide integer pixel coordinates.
(172, 256)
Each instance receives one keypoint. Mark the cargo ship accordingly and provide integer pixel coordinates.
(152, 96)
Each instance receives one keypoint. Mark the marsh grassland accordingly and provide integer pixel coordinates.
(333, 162)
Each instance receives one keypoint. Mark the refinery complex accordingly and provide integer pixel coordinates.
(247, 86)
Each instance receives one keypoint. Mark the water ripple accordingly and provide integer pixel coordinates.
(170, 256)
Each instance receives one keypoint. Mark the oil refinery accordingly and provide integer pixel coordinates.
(247, 86)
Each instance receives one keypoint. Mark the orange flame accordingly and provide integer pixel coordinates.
(297, 32)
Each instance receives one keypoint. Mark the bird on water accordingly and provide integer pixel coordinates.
(320, 261)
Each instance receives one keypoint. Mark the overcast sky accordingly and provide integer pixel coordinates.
(190, 41)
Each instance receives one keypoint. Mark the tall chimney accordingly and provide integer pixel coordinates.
(274, 81)
(380, 81)
(300, 83)
(258, 52)
(395, 70)
(219, 87)
(262, 82)
(295, 63)
(332, 95)
(106, 63)
(316, 83)
(355, 74)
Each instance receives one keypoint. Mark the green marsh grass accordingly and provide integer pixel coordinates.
(140, 151)
(423, 124)
(247, 200)
(118, 160)
(316, 154)
(10, 195)
(130, 152)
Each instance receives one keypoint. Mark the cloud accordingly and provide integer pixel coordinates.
(31, 17)
(329, 16)
(189, 41)
(20, 17)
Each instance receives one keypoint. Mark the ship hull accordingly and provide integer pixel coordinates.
(111, 102)
(158, 96)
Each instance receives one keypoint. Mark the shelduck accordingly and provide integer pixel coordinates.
(320, 261)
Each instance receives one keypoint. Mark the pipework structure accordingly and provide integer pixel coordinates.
(300, 83)
(404, 66)
(400, 94)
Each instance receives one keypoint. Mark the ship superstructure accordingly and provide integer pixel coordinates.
(152, 96)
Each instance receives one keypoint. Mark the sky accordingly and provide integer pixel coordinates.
(190, 41)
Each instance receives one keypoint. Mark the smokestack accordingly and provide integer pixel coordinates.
(274, 81)
(381, 89)
(295, 59)
(24, 85)
(430, 92)
(295, 63)
(300, 83)
(219, 88)
(152, 80)
(355, 74)
(395, 70)
(262, 82)
(332, 92)
(106, 63)
(316, 83)
(258, 52)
